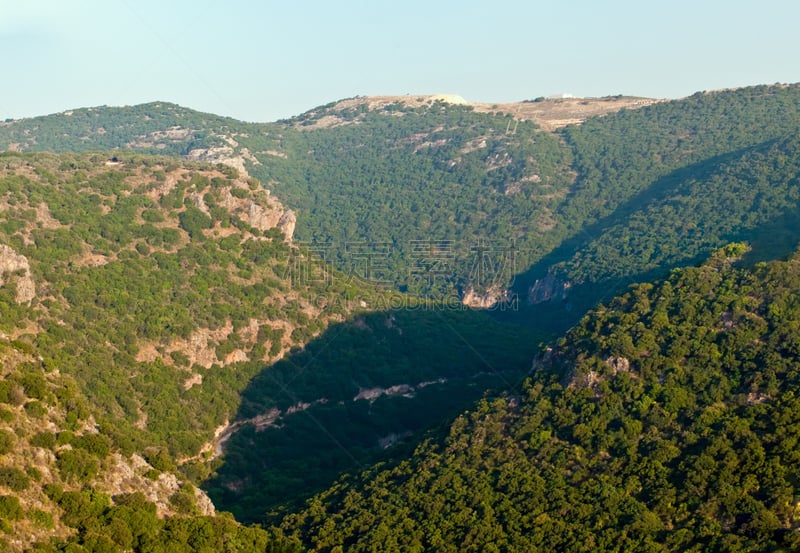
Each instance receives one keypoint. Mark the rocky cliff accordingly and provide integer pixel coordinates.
(15, 267)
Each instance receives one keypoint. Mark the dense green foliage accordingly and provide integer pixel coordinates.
(110, 285)
(666, 421)
(50, 496)
(440, 194)
(438, 199)
(665, 185)
(131, 524)
(165, 309)
(157, 127)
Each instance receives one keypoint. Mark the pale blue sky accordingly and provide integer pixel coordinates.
(261, 61)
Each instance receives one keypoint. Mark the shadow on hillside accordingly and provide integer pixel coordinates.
(774, 239)
(363, 391)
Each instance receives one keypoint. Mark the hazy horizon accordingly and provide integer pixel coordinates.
(274, 60)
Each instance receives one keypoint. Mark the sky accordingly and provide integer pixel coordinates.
(266, 60)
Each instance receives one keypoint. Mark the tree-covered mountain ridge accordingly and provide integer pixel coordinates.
(456, 199)
(667, 420)
(550, 113)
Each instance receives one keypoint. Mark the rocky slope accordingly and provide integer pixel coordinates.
(50, 444)
(120, 269)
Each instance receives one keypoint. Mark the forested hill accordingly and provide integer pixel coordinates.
(414, 186)
(138, 295)
(157, 127)
(667, 420)
(151, 308)
(169, 318)
(449, 200)
(664, 186)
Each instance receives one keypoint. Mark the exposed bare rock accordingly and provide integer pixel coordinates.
(198, 201)
(204, 503)
(588, 380)
(474, 145)
(388, 441)
(263, 217)
(592, 379)
(45, 218)
(619, 364)
(195, 380)
(220, 154)
(274, 153)
(485, 300)
(248, 156)
(543, 359)
(405, 390)
(199, 347)
(92, 259)
(754, 398)
(498, 161)
(127, 475)
(261, 211)
(12, 263)
(250, 332)
(168, 185)
(160, 139)
(260, 422)
(548, 288)
(236, 356)
(287, 223)
(515, 187)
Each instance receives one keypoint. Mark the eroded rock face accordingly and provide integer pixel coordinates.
(262, 211)
(265, 212)
(12, 263)
(619, 364)
(548, 288)
(130, 475)
(287, 223)
(485, 300)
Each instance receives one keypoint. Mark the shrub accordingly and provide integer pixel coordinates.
(10, 508)
(96, 444)
(77, 465)
(43, 439)
(14, 479)
(7, 440)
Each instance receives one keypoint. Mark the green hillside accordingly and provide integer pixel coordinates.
(453, 196)
(437, 195)
(440, 200)
(666, 420)
(170, 318)
(65, 486)
(157, 127)
(166, 296)
(663, 186)
(146, 280)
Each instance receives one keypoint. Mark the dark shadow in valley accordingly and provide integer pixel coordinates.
(364, 391)
(367, 390)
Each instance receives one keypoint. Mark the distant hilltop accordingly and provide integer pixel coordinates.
(449, 98)
(550, 113)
